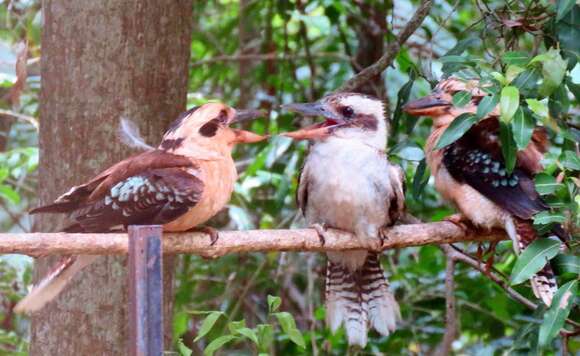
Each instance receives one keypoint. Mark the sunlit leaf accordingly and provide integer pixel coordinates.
(208, 324)
(248, 333)
(537, 107)
(233, 326)
(509, 102)
(512, 72)
(461, 98)
(12, 196)
(265, 336)
(523, 126)
(558, 312)
(533, 259)
(571, 161)
(182, 349)
(217, 343)
(288, 325)
(456, 129)
(273, 303)
(517, 58)
(547, 217)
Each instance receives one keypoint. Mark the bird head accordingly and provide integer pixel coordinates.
(346, 115)
(439, 104)
(208, 126)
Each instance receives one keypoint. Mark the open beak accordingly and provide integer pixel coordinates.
(319, 130)
(425, 106)
(243, 136)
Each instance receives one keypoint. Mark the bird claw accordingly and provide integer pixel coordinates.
(320, 231)
(383, 236)
(212, 232)
(460, 221)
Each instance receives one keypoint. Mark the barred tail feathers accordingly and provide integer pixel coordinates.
(360, 299)
(53, 283)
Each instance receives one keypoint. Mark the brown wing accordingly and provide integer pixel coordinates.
(155, 196)
(486, 136)
(97, 187)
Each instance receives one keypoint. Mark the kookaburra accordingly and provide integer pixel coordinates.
(471, 174)
(180, 185)
(347, 183)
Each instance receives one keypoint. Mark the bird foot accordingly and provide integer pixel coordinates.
(212, 232)
(383, 235)
(320, 231)
(460, 221)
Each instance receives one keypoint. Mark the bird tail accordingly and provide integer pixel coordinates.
(53, 283)
(544, 282)
(360, 299)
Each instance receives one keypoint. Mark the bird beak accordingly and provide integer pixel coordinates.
(425, 106)
(247, 115)
(317, 131)
(243, 136)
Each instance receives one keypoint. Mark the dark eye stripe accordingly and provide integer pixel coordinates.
(209, 129)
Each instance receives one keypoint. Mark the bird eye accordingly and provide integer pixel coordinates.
(347, 112)
(210, 128)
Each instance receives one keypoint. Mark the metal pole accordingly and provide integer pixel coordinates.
(145, 290)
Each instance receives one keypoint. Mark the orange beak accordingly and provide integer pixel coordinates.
(317, 131)
(243, 136)
(426, 106)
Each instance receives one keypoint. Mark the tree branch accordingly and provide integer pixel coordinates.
(392, 49)
(40, 244)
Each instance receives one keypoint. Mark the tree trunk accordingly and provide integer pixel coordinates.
(101, 60)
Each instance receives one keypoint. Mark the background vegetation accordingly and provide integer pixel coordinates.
(264, 53)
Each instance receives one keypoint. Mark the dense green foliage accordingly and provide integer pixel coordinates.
(266, 53)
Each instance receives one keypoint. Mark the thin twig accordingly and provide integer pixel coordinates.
(392, 49)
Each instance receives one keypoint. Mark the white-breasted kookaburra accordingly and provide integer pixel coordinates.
(347, 183)
(471, 172)
(183, 183)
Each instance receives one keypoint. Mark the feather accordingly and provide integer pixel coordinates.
(51, 285)
(130, 135)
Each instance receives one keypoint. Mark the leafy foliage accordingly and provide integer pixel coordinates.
(265, 53)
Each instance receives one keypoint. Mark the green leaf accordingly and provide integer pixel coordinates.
(217, 343)
(508, 146)
(568, 31)
(566, 264)
(553, 71)
(558, 312)
(523, 126)
(512, 72)
(571, 161)
(288, 325)
(574, 88)
(296, 336)
(486, 105)
(248, 333)
(453, 59)
(4, 173)
(533, 259)
(273, 303)
(509, 102)
(402, 98)
(456, 129)
(516, 58)
(182, 349)
(499, 77)
(538, 107)
(563, 8)
(461, 98)
(9, 194)
(547, 217)
(265, 336)
(208, 324)
(233, 326)
(420, 179)
(527, 82)
(546, 184)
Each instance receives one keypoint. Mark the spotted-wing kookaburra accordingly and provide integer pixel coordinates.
(347, 183)
(180, 185)
(471, 173)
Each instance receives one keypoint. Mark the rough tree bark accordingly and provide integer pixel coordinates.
(101, 60)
